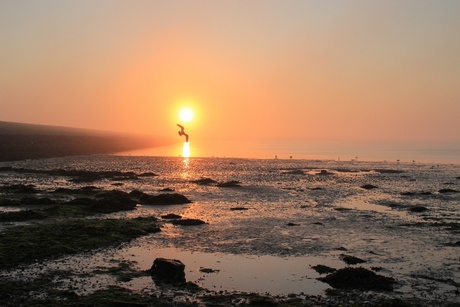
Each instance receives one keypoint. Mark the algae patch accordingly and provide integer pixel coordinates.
(38, 242)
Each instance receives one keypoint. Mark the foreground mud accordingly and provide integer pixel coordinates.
(93, 243)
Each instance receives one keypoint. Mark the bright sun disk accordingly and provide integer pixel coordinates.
(186, 114)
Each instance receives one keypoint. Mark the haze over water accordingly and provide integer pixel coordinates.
(318, 150)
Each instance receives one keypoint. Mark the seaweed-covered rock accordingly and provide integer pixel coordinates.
(204, 181)
(368, 187)
(37, 201)
(24, 215)
(20, 188)
(164, 199)
(136, 193)
(295, 172)
(168, 270)
(351, 260)
(188, 222)
(82, 201)
(358, 278)
(229, 184)
(147, 174)
(418, 209)
(323, 269)
(443, 191)
(6, 202)
(388, 171)
(453, 244)
(112, 194)
(171, 216)
(113, 202)
(422, 193)
(66, 191)
(238, 209)
(324, 173)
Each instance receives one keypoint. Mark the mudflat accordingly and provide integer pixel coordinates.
(80, 230)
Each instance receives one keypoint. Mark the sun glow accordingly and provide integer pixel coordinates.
(186, 114)
(186, 150)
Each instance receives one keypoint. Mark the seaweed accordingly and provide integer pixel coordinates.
(37, 242)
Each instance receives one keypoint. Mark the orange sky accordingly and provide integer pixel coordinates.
(278, 71)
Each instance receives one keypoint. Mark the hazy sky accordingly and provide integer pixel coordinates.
(380, 71)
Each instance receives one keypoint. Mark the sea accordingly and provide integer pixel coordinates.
(280, 218)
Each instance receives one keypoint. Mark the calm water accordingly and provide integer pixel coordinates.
(299, 213)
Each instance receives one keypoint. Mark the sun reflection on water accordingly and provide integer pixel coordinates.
(186, 150)
(185, 173)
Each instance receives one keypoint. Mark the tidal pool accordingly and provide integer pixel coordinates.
(245, 273)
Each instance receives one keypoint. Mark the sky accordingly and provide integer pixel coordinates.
(382, 73)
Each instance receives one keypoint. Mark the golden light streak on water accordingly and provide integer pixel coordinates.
(186, 150)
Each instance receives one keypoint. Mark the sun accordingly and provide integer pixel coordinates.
(186, 114)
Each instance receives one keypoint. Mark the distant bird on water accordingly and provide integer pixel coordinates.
(182, 132)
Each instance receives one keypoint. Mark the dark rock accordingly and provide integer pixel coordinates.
(20, 188)
(167, 190)
(408, 193)
(18, 216)
(368, 187)
(418, 209)
(388, 171)
(171, 216)
(136, 193)
(147, 174)
(423, 193)
(207, 270)
(168, 270)
(123, 176)
(82, 201)
(447, 191)
(323, 269)
(113, 202)
(296, 172)
(351, 259)
(238, 208)
(164, 199)
(292, 224)
(204, 181)
(37, 201)
(358, 278)
(86, 177)
(229, 184)
(188, 222)
(454, 244)
(89, 188)
(66, 191)
(316, 189)
(112, 194)
(324, 173)
(9, 202)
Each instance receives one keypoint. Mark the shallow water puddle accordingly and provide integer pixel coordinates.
(359, 204)
(262, 274)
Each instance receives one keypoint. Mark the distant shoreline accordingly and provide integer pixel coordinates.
(27, 141)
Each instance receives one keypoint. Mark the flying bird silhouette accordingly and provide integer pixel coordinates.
(182, 132)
